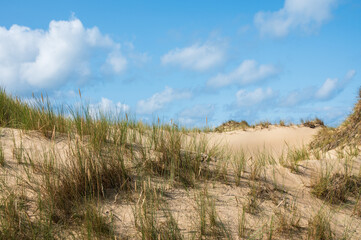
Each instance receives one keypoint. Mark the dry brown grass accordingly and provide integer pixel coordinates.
(319, 227)
(348, 133)
(232, 125)
(313, 123)
(357, 207)
(336, 188)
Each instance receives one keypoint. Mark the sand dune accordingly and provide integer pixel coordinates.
(274, 138)
(229, 198)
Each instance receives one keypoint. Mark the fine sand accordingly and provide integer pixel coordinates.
(274, 139)
(294, 196)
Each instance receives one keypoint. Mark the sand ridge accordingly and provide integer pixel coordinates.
(273, 138)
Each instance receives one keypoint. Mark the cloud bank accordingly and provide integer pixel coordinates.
(295, 14)
(34, 59)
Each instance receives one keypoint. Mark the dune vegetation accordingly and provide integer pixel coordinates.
(68, 172)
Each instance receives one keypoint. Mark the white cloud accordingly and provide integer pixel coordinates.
(33, 59)
(107, 106)
(249, 71)
(256, 97)
(303, 14)
(115, 63)
(196, 57)
(330, 88)
(159, 100)
(327, 88)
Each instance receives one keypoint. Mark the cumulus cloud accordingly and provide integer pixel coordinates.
(327, 88)
(330, 88)
(196, 57)
(160, 100)
(249, 71)
(33, 59)
(295, 14)
(256, 97)
(107, 106)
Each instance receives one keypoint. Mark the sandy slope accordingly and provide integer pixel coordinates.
(229, 198)
(273, 138)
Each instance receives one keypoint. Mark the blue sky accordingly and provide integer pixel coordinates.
(188, 60)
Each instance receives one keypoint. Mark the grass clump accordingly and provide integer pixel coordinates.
(263, 124)
(87, 176)
(14, 221)
(259, 160)
(257, 194)
(2, 157)
(67, 194)
(336, 188)
(253, 203)
(95, 224)
(18, 152)
(348, 133)
(33, 115)
(313, 123)
(177, 158)
(293, 157)
(317, 153)
(239, 166)
(319, 227)
(148, 214)
(242, 224)
(19, 219)
(357, 207)
(210, 225)
(287, 223)
(282, 123)
(232, 125)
